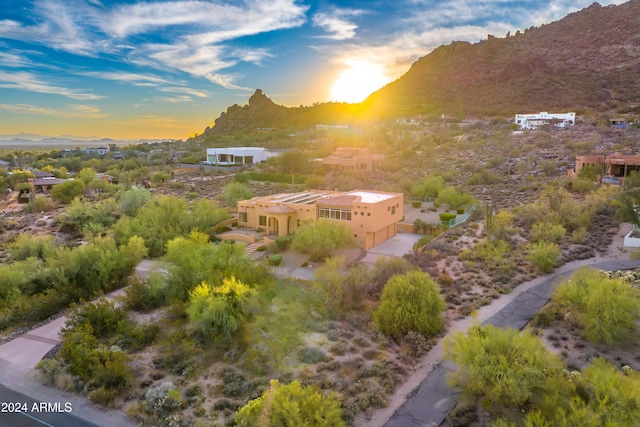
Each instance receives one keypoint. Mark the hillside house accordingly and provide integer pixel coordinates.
(534, 121)
(235, 156)
(614, 166)
(371, 215)
(352, 159)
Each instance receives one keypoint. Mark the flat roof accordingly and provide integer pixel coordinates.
(371, 196)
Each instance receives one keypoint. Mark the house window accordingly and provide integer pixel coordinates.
(368, 213)
(262, 220)
(332, 213)
(393, 210)
(242, 217)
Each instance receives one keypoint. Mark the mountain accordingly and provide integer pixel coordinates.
(588, 60)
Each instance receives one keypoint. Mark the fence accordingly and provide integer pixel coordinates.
(459, 219)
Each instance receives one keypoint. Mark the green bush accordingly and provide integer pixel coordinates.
(282, 242)
(261, 248)
(410, 302)
(416, 204)
(544, 255)
(66, 192)
(275, 259)
(460, 211)
(446, 216)
(322, 238)
(292, 405)
(607, 309)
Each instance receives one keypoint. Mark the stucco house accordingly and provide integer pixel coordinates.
(229, 156)
(352, 159)
(371, 215)
(534, 121)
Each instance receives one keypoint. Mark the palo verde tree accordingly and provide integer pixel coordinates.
(607, 308)
(504, 367)
(410, 302)
(322, 238)
(292, 405)
(217, 312)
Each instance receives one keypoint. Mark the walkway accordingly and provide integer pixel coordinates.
(19, 357)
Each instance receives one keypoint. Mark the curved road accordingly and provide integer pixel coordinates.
(432, 401)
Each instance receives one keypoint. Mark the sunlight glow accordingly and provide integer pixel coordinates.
(357, 82)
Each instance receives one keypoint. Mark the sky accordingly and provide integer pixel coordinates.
(130, 69)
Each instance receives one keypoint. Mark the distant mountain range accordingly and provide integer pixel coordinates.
(31, 139)
(588, 60)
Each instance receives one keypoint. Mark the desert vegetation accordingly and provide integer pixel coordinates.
(217, 335)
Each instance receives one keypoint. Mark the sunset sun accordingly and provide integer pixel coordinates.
(356, 83)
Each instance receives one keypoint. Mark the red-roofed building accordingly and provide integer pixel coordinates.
(371, 215)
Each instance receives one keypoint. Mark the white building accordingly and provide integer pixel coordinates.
(533, 121)
(321, 127)
(238, 155)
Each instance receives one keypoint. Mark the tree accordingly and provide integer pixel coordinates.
(86, 175)
(235, 192)
(503, 366)
(322, 238)
(429, 186)
(629, 206)
(134, 199)
(291, 405)
(67, 191)
(410, 302)
(217, 312)
(544, 255)
(608, 309)
(454, 198)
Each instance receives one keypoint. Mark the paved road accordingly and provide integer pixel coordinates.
(434, 399)
(19, 410)
(18, 359)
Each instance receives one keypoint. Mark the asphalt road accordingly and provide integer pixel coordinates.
(434, 399)
(19, 410)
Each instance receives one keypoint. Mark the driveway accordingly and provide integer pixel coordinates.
(396, 247)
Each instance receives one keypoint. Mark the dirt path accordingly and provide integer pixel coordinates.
(443, 400)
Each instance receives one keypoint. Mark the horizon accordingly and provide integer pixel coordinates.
(167, 69)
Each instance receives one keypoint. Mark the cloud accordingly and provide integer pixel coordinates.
(12, 60)
(187, 36)
(76, 111)
(173, 100)
(33, 83)
(335, 23)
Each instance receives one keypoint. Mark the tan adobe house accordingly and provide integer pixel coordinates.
(616, 165)
(352, 159)
(371, 215)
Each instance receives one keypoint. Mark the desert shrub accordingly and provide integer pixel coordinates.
(454, 198)
(319, 240)
(162, 400)
(503, 366)
(292, 405)
(27, 245)
(414, 344)
(410, 302)
(385, 268)
(547, 232)
(501, 225)
(583, 186)
(67, 191)
(311, 355)
(103, 396)
(416, 204)
(282, 242)
(544, 255)
(40, 204)
(446, 216)
(274, 260)
(217, 312)
(132, 200)
(261, 248)
(607, 308)
(430, 186)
